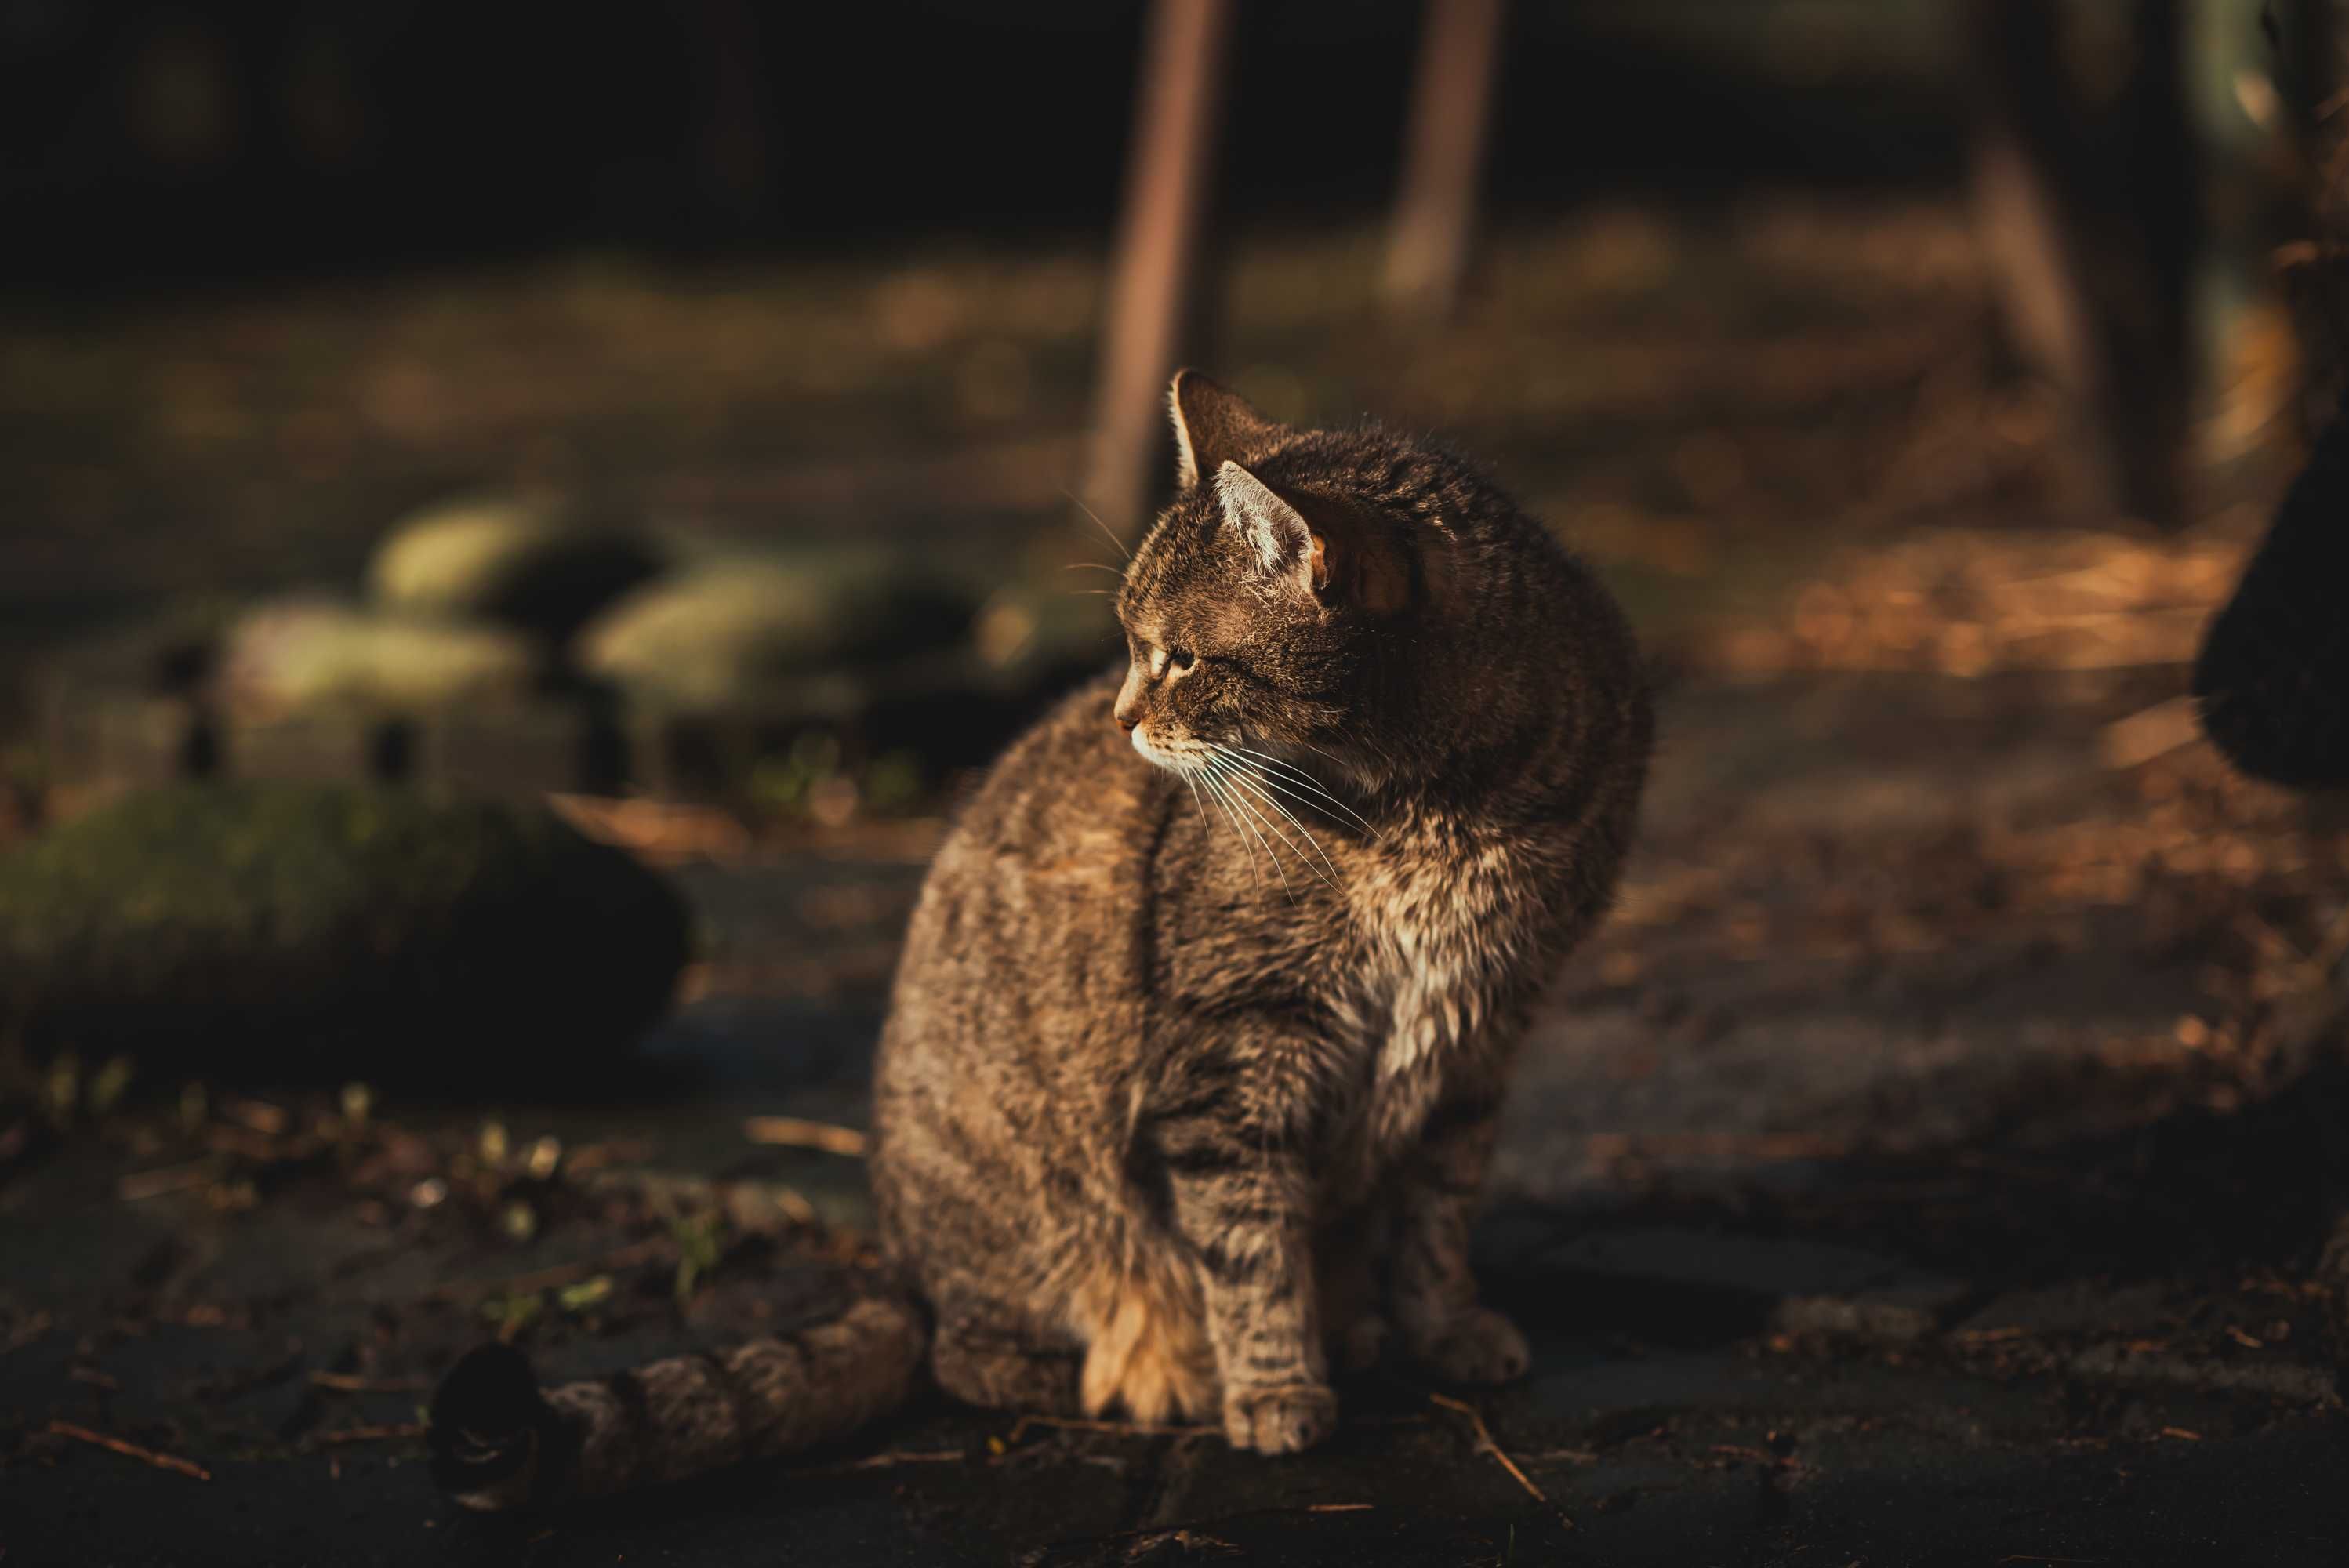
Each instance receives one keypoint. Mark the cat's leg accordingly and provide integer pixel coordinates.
(1229, 1128)
(980, 1357)
(1433, 1292)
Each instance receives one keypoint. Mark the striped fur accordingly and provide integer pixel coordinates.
(1193, 1064)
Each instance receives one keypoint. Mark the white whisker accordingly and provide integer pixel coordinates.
(1384, 755)
(1319, 801)
(1290, 773)
(1107, 532)
(1223, 804)
(1241, 780)
(1254, 786)
(1247, 820)
(1198, 803)
(1217, 777)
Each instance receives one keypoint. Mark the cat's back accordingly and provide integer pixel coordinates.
(1028, 941)
(1060, 801)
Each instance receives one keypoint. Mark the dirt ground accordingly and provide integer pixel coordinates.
(1931, 1163)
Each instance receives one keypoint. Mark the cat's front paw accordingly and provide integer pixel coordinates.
(1480, 1345)
(1281, 1418)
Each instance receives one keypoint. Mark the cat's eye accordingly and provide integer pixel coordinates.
(1180, 659)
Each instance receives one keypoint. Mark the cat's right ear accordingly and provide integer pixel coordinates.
(1213, 426)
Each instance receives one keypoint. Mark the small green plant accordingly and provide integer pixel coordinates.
(700, 1240)
(587, 1294)
(788, 784)
(893, 782)
(107, 1088)
(512, 1313)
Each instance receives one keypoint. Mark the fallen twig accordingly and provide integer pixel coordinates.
(257, 1114)
(887, 1458)
(1486, 1443)
(142, 1184)
(24, 1333)
(346, 1383)
(396, 1431)
(797, 1132)
(130, 1450)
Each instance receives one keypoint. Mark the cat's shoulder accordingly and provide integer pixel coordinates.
(1073, 763)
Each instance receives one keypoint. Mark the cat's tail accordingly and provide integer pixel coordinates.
(2273, 675)
(499, 1441)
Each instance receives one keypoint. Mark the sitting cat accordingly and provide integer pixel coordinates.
(1192, 1070)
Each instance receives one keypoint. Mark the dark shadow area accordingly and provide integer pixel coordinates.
(172, 149)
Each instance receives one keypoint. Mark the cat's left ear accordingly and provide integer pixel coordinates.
(1213, 426)
(1282, 542)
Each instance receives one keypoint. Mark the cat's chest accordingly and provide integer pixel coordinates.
(1440, 939)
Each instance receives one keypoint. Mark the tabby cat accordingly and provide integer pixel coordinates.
(1191, 1074)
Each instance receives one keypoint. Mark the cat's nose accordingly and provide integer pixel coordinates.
(1125, 721)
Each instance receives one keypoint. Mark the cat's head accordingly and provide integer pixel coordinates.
(1270, 611)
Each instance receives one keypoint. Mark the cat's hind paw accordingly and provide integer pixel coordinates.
(1478, 1346)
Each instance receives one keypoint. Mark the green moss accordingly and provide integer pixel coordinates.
(735, 630)
(332, 933)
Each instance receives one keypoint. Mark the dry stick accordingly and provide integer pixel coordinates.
(1484, 1442)
(24, 1333)
(886, 1458)
(170, 1179)
(397, 1432)
(130, 1450)
(346, 1383)
(799, 1133)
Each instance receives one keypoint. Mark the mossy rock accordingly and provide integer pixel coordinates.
(330, 933)
(540, 565)
(310, 655)
(732, 631)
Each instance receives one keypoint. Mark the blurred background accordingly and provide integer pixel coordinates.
(317, 317)
(724, 423)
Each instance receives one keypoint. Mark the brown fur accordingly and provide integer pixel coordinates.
(1192, 1069)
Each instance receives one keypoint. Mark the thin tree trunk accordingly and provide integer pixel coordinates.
(1154, 292)
(2092, 241)
(1433, 229)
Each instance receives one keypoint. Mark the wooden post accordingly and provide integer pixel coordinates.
(2093, 256)
(1433, 228)
(1153, 290)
